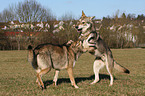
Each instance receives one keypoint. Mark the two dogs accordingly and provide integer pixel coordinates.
(47, 56)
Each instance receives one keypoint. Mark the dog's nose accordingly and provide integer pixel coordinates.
(76, 27)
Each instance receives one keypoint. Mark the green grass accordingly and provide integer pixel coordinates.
(17, 77)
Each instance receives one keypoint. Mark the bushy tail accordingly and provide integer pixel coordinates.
(120, 68)
(30, 54)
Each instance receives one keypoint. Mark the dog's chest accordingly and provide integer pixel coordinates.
(86, 44)
(97, 53)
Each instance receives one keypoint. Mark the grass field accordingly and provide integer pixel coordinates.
(17, 77)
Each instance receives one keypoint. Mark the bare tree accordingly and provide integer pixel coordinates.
(31, 11)
(27, 11)
(1, 17)
(7, 15)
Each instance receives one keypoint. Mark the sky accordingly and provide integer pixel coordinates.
(97, 8)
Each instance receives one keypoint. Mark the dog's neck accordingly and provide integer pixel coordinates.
(77, 49)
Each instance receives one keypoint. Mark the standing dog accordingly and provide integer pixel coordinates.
(47, 56)
(96, 46)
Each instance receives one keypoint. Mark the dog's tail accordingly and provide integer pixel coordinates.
(30, 54)
(120, 68)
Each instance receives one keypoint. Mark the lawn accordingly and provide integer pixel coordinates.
(17, 77)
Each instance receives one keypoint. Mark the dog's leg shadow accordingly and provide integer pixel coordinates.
(77, 79)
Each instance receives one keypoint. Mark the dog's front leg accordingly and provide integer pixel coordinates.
(70, 73)
(55, 77)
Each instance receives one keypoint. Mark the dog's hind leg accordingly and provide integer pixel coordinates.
(70, 73)
(38, 82)
(55, 77)
(111, 76)
(98, 64)
(44, 71)
(109, 66)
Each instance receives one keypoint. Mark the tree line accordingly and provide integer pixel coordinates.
(118, 31)
(124, 31)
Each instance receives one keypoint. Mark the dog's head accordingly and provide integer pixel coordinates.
(85, 24)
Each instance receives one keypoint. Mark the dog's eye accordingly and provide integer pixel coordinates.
(83, 22)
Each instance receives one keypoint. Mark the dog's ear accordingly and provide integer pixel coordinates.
(91, 18)
(83, 14)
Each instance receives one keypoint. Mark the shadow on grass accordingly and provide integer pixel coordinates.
(77, 79)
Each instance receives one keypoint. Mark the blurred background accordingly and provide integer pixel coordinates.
(24, 22)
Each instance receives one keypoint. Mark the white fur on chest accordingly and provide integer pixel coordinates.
(98, 53)
(86, 43)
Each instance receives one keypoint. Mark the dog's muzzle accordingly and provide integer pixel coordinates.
(79, 29)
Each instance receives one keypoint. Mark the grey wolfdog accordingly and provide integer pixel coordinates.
(96, 46)
(47, 56)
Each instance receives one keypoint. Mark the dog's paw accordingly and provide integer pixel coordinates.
(76, 86)
(94, 82)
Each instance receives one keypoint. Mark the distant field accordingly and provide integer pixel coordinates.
(17, 77)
